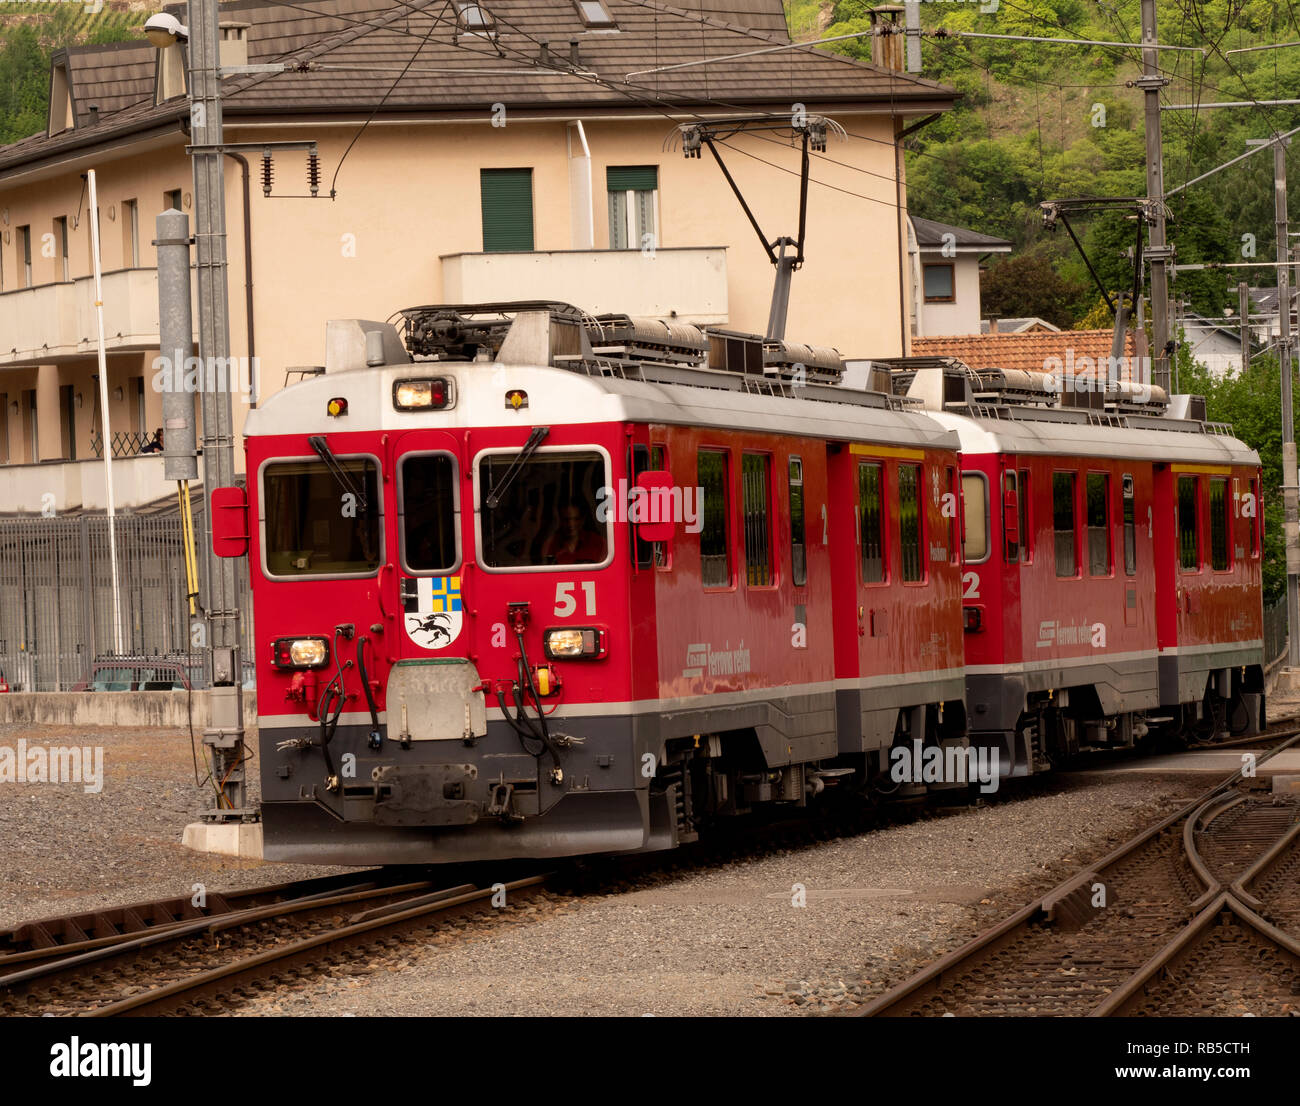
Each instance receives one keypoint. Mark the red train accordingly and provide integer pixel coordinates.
(537, 584)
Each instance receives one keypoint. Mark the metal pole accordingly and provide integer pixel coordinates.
(1243, 310)
(224, 736)
(175, 345)
(1158, 253)
(912, 29)
(1291, 527)
(103, 404)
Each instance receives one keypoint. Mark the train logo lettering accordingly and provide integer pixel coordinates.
(432, 611)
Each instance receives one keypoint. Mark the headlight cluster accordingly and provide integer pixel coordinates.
(577, 641)
(300, 652)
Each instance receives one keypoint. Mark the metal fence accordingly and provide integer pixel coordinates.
(126, 443)
(56, 594)
(1274, 631)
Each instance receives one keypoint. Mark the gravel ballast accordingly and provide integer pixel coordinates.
(721, 940)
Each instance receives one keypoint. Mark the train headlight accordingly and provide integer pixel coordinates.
(300, 652)
(431, 394)
(585, 641)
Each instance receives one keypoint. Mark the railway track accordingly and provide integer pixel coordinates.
(1197, 915)
(207, 964)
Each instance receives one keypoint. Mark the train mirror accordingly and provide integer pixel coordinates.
(229, 522)
(655, 506)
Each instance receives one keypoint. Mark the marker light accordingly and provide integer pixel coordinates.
(972, 619)
(300, 652)
(432, 394)
(577, 642)
(516, 398)
(336, 407)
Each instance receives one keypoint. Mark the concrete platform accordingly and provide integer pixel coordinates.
(226, 839)
(1212, 762)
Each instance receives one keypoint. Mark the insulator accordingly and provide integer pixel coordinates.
(313, 172)
(268, 172)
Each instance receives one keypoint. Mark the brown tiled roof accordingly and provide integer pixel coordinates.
(1022, 351)
(110, 77)
(353, 52)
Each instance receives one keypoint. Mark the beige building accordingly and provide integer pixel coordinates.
(513, 149)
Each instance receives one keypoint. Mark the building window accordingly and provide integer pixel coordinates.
(940, 283)
(1220, 557)
(130, 234)
(4, 428)
(1063, 523)
(474, 19)
(31, 426)
(172, 200)
(1130, 528)
(798, 548)
(754, 484)
(871, 522)
(507, 196)
(911, 537)
(61, 244)
(25, 256)
(68, 421)
(633, 197)
(1098, 491)
(1189, 530)
(138, 416)
(975, 517)
(715, 551)
(594, 13)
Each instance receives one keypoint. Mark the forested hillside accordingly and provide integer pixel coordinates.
(1040, 121)
(29, 32)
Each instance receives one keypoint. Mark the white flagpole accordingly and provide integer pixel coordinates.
(106, 436)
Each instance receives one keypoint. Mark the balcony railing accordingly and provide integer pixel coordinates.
(126, 443)
(56, 321)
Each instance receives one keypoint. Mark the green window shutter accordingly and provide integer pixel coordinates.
(632, 178)
(507, 209)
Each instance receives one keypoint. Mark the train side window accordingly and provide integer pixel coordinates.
(1098, 492)
(1010, 487)
(755, 488)
(1063, 523)
(1130, 527)
(427, 490)
(1026, 534)
(1189, 529)
(975, 517)
(659, 464)
(798, 547)
(911, 525)
(715, 548)
(1256, 520)
(1220, 553)
(871, 522)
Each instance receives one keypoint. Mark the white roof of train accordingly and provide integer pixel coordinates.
(560, 397)
(1178, 441)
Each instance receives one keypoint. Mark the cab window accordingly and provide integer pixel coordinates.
(320, 522)
(427, 512)
(549, 512)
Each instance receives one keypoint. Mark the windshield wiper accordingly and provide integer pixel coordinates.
(321, 446)
(530, 447)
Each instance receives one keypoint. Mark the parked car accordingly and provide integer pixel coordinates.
(152, 673)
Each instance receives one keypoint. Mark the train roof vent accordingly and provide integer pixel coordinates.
(647, 339)
(734, 351)
(1127, 397)
(1000, 386)
(937, 382)
(803, 363)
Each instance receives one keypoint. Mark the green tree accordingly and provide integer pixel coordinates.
(1025, 284)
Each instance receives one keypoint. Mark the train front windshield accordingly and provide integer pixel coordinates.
(322, 523)
(547, 513)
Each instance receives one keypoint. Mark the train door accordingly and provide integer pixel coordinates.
(425, 581)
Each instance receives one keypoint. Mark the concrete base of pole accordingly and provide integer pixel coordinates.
(1288, 684)
(243, 840)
